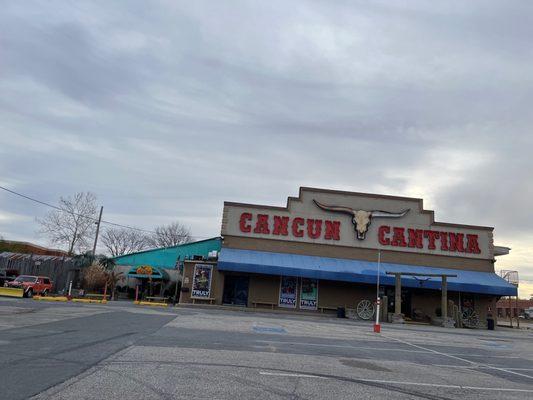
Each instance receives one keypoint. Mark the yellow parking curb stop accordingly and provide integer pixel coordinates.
(151, 303)
(11, 292)
(47, 298)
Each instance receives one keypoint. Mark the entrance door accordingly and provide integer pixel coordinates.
(406, 301)
(236, 290)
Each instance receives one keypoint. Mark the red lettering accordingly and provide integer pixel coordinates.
(296, 223)
(333, 230)
(243, 222)
(398, 237)
(382, 231)
(314, 228)
(261, 226)
(456, 242)
(444, 241)
(416, 238)
(281, 225)
(431, 235)
(472, 245)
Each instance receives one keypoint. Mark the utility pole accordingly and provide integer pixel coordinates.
(97, 230)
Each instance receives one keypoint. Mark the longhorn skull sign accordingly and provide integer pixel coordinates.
(361, 219)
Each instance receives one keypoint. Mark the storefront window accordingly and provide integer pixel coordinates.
(287, 291)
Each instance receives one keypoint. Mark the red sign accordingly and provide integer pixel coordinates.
(428, 239)
(313, 228)
(298, 227)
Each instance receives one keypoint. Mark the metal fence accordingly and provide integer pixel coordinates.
(61, 270)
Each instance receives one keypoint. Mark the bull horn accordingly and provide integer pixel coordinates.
(386, 214)
(342, 209)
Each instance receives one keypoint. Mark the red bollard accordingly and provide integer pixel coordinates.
(377, 326)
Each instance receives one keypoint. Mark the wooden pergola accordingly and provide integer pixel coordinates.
(398, 290)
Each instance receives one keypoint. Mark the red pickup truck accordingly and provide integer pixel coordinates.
(32, 284)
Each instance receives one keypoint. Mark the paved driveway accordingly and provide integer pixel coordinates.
(121, 351)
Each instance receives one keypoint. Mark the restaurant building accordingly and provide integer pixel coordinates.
(327, 249)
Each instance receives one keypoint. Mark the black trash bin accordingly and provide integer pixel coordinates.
(490, 324)
(341, 312)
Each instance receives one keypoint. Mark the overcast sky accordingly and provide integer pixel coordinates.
(166, 109)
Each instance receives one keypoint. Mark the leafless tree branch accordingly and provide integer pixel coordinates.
(120, 241)
(73, 227)
(170, 235)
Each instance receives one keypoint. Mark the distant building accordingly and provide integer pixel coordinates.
(13, 246)
(157, 270)
(513, 307)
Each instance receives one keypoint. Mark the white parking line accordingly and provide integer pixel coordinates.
(383, 381)
(338, 346)
(291, 375)
(460, 359)
(343, 346)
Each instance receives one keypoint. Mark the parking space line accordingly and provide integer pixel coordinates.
(291, 375)
(460, 359)
(338, 346)
(344, 346)
(401, 383)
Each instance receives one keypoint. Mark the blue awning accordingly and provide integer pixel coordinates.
(338, 269)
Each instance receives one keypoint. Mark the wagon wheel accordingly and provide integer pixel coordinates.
(365, 309)
(470, 318)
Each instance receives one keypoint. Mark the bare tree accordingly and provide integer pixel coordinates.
(94, 277)
(170, 235)
(74, 225)
(119, 241)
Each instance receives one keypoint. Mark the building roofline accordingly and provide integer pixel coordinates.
(33, 245)
(165, 248)
(377, 196)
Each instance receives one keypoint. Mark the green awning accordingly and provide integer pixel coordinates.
(147, 271)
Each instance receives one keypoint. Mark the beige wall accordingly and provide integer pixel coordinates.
(343, 294)
(217, 282)
(331, 294)
(304, 207)
(263, 288)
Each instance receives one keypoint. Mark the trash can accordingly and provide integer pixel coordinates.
(341, 312)
(490, 324)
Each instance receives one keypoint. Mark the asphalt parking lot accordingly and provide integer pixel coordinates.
(118, 350)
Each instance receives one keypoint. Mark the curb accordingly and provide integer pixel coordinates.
(150, 303)
(11, 292)
(261, 310)
(92, 301)
(41, 298)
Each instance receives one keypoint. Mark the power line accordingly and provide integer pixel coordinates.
(82, 215)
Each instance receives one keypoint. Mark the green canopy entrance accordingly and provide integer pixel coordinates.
(148, 272)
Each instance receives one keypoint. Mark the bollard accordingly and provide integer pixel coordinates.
(377, 326)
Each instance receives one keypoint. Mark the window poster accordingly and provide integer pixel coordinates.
(287, 291)
(201, 281)
(309, 294)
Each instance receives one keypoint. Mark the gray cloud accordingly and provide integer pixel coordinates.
(166, 109)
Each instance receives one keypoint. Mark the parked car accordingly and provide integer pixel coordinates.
(32, 284)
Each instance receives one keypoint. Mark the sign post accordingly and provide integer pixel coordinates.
(377, 326)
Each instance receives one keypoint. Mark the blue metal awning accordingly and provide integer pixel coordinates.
(338, 269)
